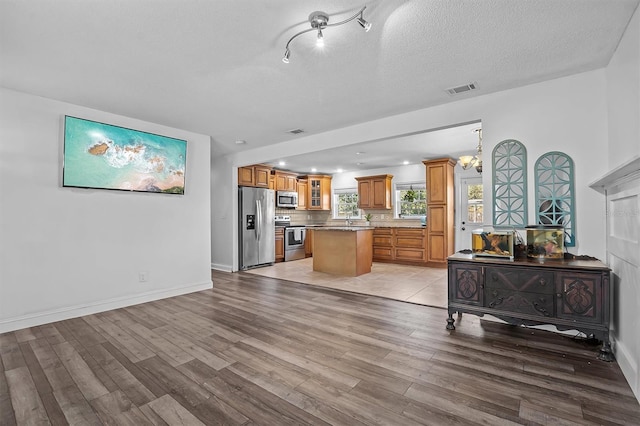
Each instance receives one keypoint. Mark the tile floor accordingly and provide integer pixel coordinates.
(415, 284)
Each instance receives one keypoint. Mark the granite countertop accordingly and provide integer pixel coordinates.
(343, 228)
(363, 226)
(403, 226)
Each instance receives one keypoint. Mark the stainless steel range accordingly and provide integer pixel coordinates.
(294, 236)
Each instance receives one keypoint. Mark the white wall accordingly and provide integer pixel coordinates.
(623, 92)
(224, 211)
(623, 84)
(567, 114)
(66, 252)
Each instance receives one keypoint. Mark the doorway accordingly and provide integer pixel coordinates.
(471, 211)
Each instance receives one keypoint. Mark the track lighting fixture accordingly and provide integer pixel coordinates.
(320, 21)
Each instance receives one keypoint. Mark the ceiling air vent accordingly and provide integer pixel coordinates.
(295, 131)
(462, 89)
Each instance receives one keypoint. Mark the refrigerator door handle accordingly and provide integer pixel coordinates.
(258, 219)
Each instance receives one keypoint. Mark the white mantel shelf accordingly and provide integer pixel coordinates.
(627, 171)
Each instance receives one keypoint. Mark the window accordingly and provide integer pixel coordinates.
(474, 204)
(345, 201)
(410, 200)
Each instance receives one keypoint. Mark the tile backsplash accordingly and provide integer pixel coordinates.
(313, 217)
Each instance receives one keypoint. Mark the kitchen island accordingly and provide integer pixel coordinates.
(343, 250)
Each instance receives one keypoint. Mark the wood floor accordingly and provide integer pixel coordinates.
(256, 350)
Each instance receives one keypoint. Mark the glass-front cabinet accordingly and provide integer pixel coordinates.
(319, 191)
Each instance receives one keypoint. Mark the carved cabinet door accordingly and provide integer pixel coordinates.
(466, 284)
(579, 296)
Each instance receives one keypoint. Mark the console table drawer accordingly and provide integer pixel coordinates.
(520, 279)
(520, 302)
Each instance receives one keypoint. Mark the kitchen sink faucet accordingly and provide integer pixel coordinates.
(349, 221)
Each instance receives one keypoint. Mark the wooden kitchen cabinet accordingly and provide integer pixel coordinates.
(318, 192)
(569, 294)
(279, 244)
(400, 245)
(374, 192)
(257, 175)
(286, 181)
(440, 211)
(308, 243)
(409, 245)
(303, 188)
(382, 244)
(246, 176)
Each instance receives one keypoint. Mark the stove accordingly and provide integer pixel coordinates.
(294, 236)
(282, 220)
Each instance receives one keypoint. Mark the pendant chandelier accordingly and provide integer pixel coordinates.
(468, 161)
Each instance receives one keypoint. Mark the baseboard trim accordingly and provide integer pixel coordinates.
(628, 365)
(46, 317)
(221, 267)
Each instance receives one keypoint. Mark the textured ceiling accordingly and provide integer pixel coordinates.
(214, 66)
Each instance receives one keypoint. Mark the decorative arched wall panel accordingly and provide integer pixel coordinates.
(509, 183)
(555, 194)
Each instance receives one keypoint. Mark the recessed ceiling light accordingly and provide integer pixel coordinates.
(281, 163)
(313, 170)
(405, 162)
(360, 153)
(359, 164)
(339, 171)
(240, 142)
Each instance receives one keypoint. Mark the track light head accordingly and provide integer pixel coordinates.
(320, 39)
(285, 58)
(364, 24)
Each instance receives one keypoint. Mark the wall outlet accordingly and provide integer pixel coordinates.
(143, 276)
(308, 216)
(382, 216)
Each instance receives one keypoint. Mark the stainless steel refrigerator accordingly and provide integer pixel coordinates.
(257, 209)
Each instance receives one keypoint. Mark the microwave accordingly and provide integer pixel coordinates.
(286, 199)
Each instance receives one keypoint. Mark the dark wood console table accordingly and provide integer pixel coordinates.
(570, 294)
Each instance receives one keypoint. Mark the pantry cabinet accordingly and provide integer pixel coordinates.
(374, 192)
(440, 211)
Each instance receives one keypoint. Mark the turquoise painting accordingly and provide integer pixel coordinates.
(103, 156)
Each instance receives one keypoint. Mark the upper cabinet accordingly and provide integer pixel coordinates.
(302, 194)
(374, 192)
(257, 175)
(318, 192)
(286, 181)
(439, 180)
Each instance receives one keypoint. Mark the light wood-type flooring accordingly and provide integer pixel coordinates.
(415, 284)
(261, 351)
